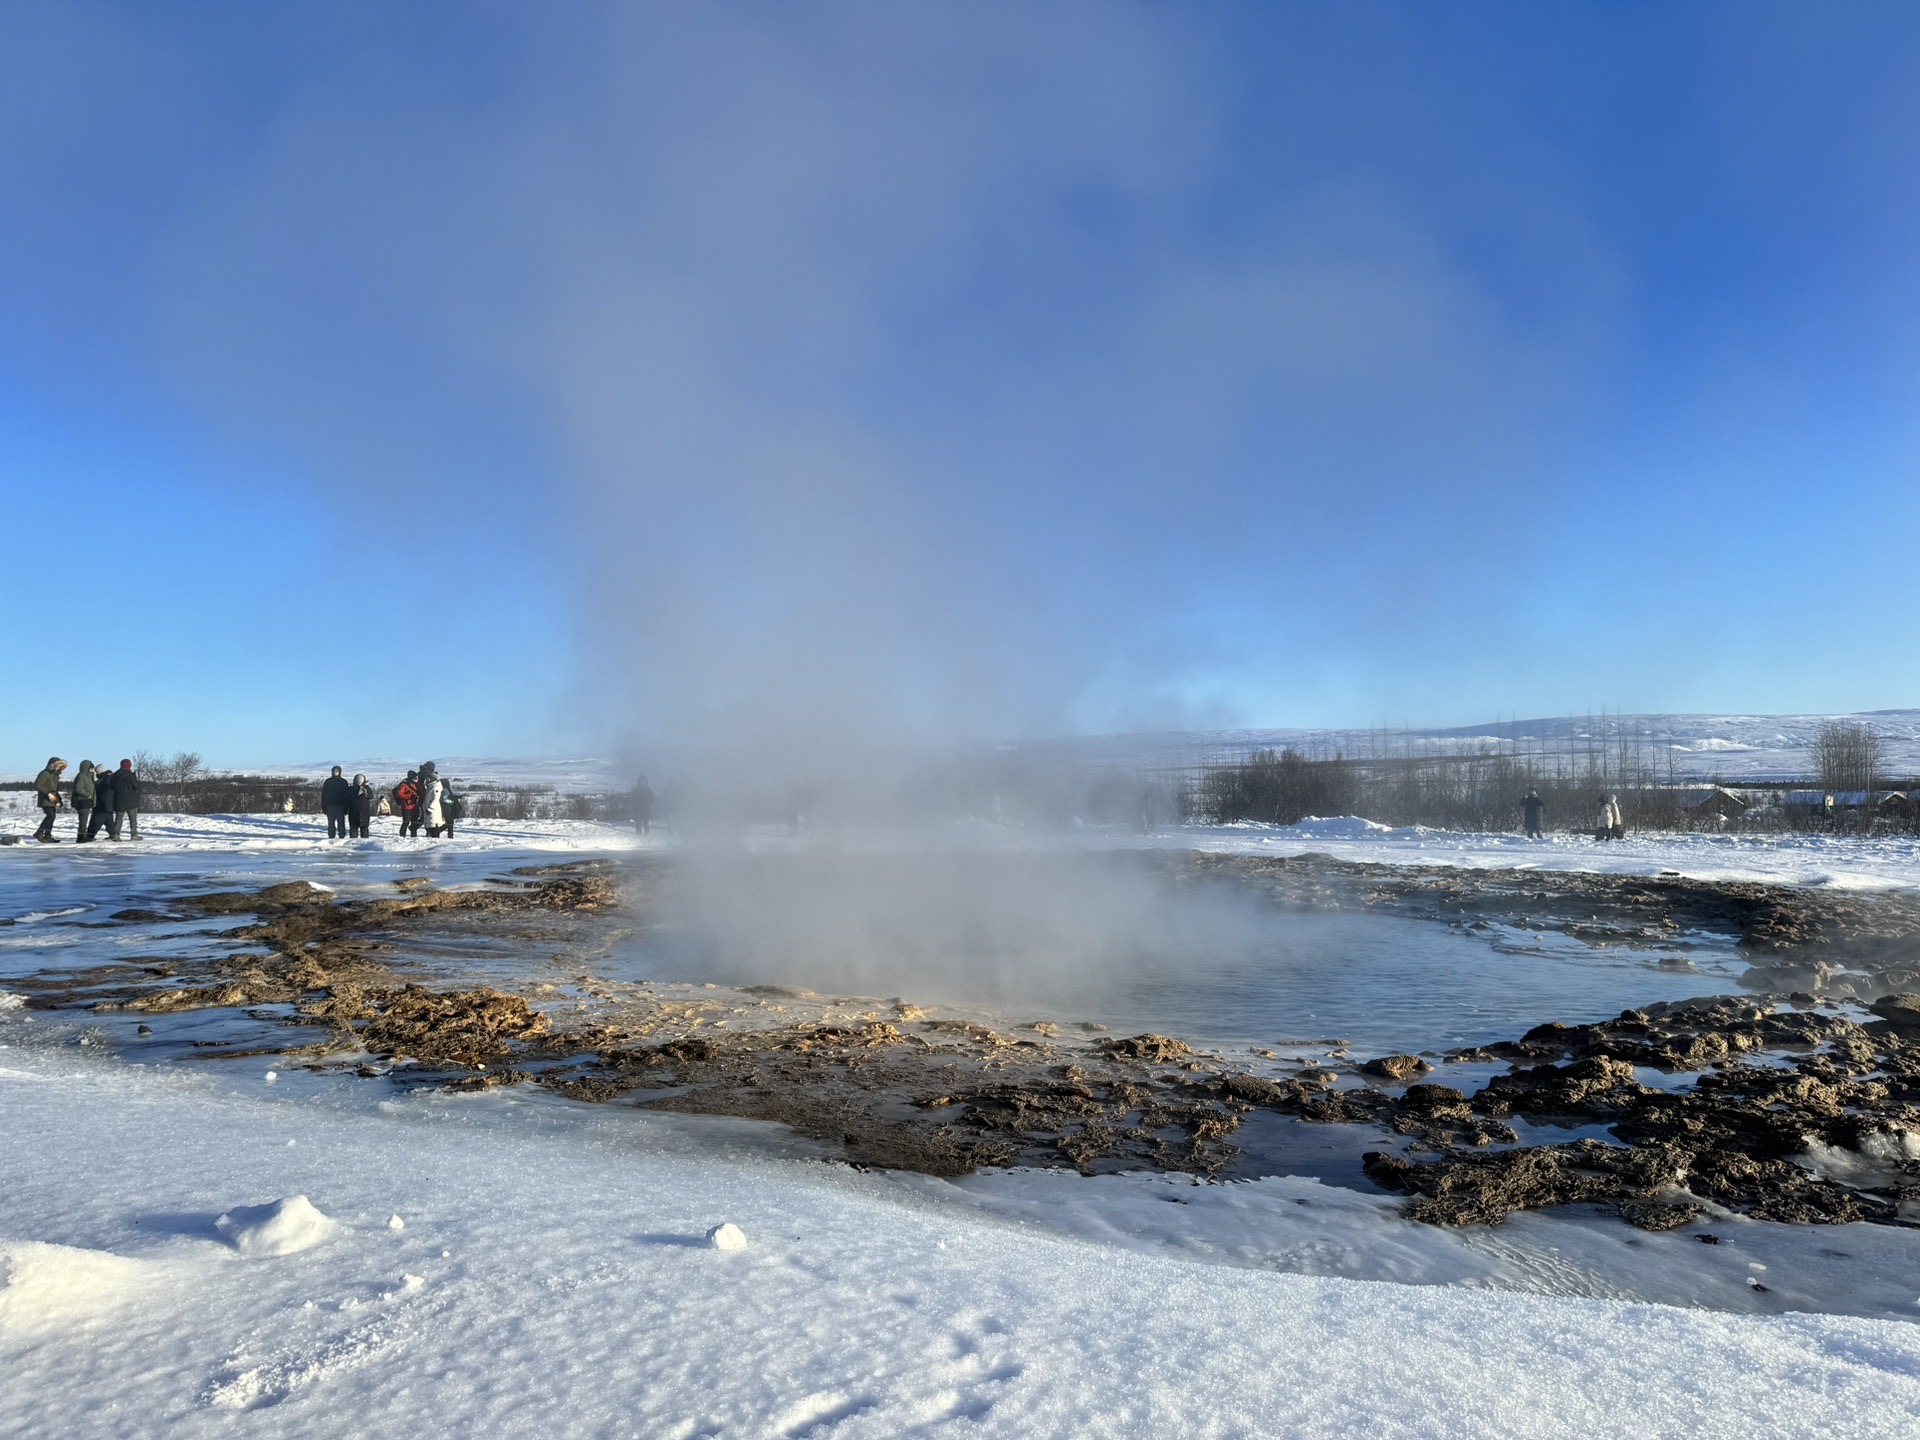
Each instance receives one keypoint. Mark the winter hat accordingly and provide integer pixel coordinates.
(126, 764)
(53, 761)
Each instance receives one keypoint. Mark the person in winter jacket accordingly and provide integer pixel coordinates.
(406, 804)
(46, 791)
(102, 801)
(437, 811)
(642, 806)
(336, 797)
(126, 801)
(1533, 805)
(360, 812)
(85, 795)
(1611, 826)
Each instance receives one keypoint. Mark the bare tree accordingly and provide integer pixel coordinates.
(168, 779)
(1846, 753)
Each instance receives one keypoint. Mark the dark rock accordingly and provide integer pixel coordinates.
(1259, 1091)
(1151, 1049)
(1396, 1067)
(1660, 1214)
(1900, 1011)
(1596, 1086)
(1433, 1099)
(295, 892)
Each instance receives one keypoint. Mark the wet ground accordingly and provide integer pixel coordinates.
(1477, 1041)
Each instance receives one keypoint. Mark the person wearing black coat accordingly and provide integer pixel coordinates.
(86, 793)
(126, 801)
(336, 798)
(1533, 805)
(360, 811)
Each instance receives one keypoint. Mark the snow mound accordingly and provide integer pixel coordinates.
(1337, 827)
(727, 1237)
(42, 1285)
(284, 1227)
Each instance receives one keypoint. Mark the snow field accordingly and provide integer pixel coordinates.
(307, 835)
(553, 1277)
(1839, 861)
(1880, 862)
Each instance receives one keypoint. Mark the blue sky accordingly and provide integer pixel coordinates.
(515, 378)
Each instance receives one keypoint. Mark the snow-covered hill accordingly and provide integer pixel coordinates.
(1741, 748)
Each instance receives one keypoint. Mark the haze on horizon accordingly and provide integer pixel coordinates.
(498, 378)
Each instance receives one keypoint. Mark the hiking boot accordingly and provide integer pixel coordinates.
(46, 839)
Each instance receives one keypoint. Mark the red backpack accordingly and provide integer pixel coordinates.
(409, 794)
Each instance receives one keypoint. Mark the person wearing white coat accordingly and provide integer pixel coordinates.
(432, 789)
(1612, 825)
(439, 805)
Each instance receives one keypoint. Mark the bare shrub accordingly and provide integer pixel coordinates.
(1846, 756)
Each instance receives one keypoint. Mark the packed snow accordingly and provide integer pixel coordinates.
(556, 1278)
(285, 1227)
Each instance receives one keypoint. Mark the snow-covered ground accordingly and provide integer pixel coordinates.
(307, 834)
(550, 1276)
(1876, 862)
(1845, 861)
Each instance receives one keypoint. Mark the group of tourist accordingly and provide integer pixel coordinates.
(424, 798)
(108, 799)
(102, 799)
(1610, 823)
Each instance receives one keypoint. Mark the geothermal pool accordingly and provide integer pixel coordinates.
(1068, 938)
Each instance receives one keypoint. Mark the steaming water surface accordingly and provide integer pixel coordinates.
(1078, 937)
(1377, 981)
(1109, 939)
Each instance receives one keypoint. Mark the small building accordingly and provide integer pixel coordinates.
(1719, 803)
(1830, 800)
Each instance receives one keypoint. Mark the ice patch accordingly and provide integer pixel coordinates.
(283, 1228)
(43, 1285)
(11, 1000)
